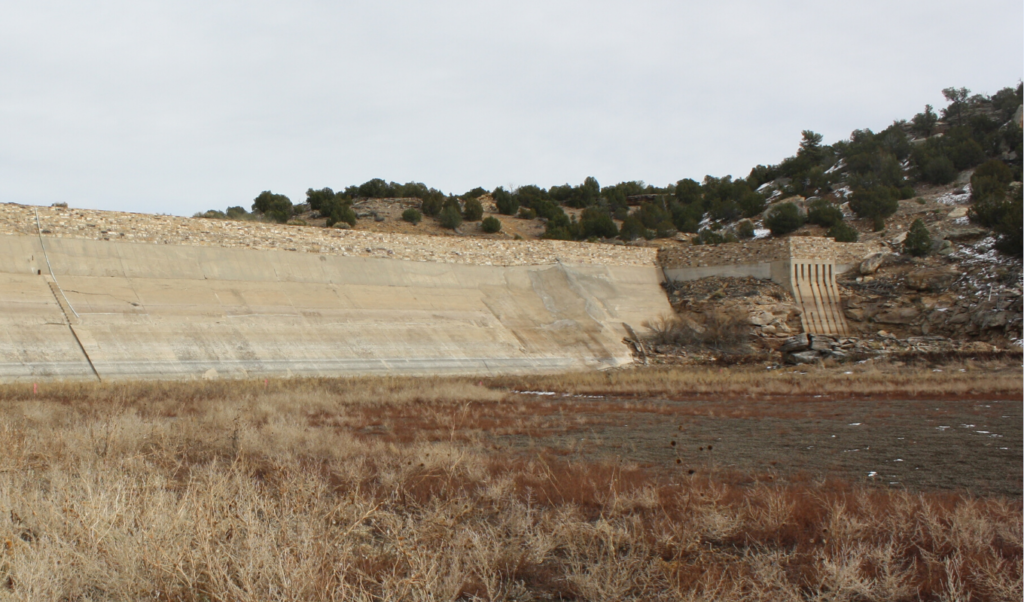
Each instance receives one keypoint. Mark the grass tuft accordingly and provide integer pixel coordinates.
(252, 491)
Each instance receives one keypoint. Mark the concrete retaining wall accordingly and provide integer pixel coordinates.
(141, 296)
(741, 270)
(130, 310)
(766, 251)
(805, 266)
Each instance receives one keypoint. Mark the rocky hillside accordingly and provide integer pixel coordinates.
(385, 215)
(953, 177)
(970, 292)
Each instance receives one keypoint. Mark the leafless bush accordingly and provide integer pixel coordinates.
(719, 330)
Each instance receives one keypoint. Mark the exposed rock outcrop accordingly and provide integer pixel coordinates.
(972, 293)
(872, 262)
(804, 349)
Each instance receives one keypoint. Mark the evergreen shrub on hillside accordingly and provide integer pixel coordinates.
(923, 124)
(919, 241)
(507, 204)
(843, 232)
(450, 217)
(316, 199)
(375, 189)
(989, 182)
(937, 170)
(595, 222)
(210, 214)
(341, 213)
(335, 207)
(824, 213)
(652, 213)
(707, 236)
(413, 216)
(783, 219)
(560, 228)
(687, 218)
(548, 209)
(875, 203)
(276, 207)
(988, 193)
(432, 204)
(664, 229)
(1011, 227)
(491, 225)
(632, 228)
(472, 210)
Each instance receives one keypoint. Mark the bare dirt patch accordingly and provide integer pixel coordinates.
(921, 445)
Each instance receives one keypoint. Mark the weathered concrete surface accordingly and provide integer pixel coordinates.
(813, 285)
(761, 270)
(804, 265)
(164, 311)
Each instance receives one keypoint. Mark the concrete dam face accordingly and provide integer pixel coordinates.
(77, 308)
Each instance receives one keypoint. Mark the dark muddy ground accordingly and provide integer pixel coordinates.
(953, 445)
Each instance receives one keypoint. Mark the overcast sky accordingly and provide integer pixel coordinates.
(176, 107)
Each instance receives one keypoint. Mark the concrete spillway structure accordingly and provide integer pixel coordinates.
(87, 309)
(812, 283)
(807, 267)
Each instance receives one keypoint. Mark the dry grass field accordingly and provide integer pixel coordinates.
(470, 489)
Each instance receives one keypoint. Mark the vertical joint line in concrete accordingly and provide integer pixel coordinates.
(85, 353)
(71, 327)
(39, 230)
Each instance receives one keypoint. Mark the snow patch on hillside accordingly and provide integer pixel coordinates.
(956, 197)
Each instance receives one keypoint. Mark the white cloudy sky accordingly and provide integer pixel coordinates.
(175, 107)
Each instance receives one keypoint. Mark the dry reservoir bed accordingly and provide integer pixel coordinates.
(634, 485)
(927, 444)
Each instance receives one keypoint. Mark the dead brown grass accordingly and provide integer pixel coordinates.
(260, 491)
(891, 381)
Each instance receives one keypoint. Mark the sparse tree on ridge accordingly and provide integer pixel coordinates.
(810, 145)
(957, 98)
(317, 198)
(432, 203)
(923, 124)
(472, 210)
(506, 203)
(277, 207)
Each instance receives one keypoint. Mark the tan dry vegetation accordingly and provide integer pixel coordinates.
(720, 330)
(1001, 378)
(265, 491)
